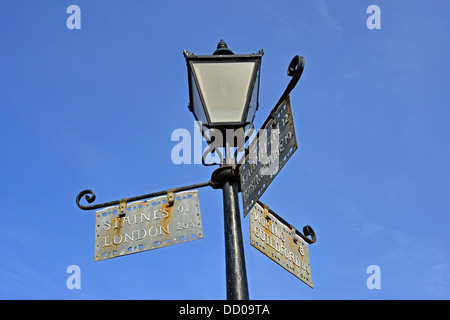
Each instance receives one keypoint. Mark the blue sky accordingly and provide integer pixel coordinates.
(95, 108)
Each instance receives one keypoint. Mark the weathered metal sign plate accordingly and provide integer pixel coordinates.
(146, 225)
(255, 174)
(278, 242)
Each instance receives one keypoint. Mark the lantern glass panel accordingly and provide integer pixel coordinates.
(225, 88)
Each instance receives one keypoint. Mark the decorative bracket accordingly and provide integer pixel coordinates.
(307, 230)
(171, 196)
(123, 208)
(295, 71)
(89, 195)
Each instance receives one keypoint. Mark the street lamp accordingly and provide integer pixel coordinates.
(223, 94)
(223, 87)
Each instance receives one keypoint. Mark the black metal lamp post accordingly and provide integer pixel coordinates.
(223, 94)
(227, 179)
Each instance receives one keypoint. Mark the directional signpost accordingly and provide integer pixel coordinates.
(279, 241)
(269, 233)
(165, 218)
(269, 152)
(147, 225)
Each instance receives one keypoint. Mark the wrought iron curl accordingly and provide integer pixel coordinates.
(308, 231)
(89, 195)
(295, 71)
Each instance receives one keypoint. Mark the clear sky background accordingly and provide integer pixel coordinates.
(96, 107)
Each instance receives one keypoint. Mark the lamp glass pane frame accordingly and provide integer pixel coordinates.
(197, 101)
